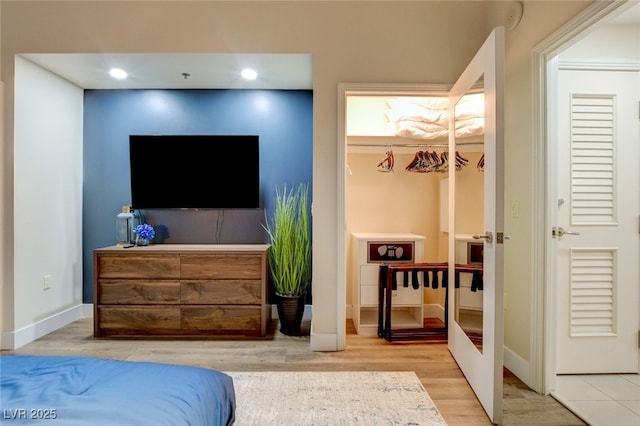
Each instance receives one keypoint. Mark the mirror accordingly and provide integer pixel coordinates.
(469, 216)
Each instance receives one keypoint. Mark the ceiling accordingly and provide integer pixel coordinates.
(201, 71)
(180, 70)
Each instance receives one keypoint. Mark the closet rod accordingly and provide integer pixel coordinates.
(412, 145)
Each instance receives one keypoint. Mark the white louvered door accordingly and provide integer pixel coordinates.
(598, 188)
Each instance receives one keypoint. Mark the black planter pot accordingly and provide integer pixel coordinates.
(290, 311)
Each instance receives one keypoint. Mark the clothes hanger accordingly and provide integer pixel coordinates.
(386, 165)
(460, 161)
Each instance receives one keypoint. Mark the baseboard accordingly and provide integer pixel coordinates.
(323, 342)
(87, 310)
(518, 366)
(434, 311)
(18, 338)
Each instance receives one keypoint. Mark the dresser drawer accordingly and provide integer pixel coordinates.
(407, 296)
(138, 292)
(134, 318)
(369, 295)
(369, 275)
(138, 266)
(221, 292)
(226, 266)
(470, 299)
(221, 318)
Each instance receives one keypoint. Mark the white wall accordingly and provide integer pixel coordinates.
(540, 20)
(48, 195)
(612, 44)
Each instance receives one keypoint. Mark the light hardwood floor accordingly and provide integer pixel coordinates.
(432, 363)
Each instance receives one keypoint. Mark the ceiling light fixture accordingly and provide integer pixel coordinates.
(118, 73)
(249, 74)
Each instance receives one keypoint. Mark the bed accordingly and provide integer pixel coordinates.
(82, 390)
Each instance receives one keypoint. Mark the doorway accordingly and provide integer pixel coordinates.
(581, 32)
(383, 198)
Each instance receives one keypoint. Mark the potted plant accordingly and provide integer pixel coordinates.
(290, 254)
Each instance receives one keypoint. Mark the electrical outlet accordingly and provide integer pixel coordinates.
(46, 282)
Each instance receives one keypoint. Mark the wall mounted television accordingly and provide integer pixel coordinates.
(194, 171)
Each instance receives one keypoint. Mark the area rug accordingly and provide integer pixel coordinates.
(333, 399)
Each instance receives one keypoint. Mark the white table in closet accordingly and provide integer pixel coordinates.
(368, 251)
(469, 251)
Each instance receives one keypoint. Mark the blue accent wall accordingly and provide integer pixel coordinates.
(283, 119)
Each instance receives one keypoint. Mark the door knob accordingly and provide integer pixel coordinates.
(488, 237)
(560, 231)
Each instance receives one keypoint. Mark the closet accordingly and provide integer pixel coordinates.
(396, 184)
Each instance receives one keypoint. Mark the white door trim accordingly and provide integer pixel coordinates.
(543, 345)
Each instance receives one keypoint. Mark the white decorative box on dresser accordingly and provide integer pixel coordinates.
(368, 251)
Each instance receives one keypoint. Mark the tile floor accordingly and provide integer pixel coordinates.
(601, 399)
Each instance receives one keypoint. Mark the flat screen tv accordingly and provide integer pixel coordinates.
(194, 171)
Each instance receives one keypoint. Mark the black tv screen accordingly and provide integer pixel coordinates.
(194, 171)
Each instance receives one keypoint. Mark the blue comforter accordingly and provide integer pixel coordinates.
(69, 391)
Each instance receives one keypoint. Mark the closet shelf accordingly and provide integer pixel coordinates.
(375, 145)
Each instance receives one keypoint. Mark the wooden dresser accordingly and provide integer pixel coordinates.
(181, 290)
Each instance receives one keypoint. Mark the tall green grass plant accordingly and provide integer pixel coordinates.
(290, 239)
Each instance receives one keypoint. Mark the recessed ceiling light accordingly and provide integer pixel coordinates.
(118, 73)
(249, 74)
